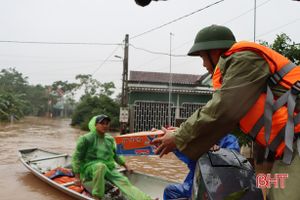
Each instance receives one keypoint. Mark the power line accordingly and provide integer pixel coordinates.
(112, 53)
(161, 53)
(58, 61)
(246, 12)
(279, 27)
(59, 43)
(232, 19)
(175, 20)
(154, 52)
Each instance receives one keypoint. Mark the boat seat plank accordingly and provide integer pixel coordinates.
(48, 158)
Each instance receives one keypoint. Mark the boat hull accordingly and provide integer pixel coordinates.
(39, 161)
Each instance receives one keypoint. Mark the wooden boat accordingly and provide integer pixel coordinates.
(39, 161)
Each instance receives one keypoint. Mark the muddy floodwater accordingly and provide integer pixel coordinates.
(17, 183)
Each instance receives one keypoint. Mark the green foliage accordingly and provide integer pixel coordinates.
(38, 99)
(18, 98)
(106, 88)
(95, 100)
(284, 45)
(11, 105)
(12, 81)
(64, 86)
(89, 84)
(90, 106)
(92, 86)
(13, 100)
(61, 95)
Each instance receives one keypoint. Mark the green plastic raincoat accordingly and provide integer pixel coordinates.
(94, 159)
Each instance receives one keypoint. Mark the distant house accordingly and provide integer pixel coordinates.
(152, 93)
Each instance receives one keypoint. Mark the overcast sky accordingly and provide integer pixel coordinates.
(102, 25)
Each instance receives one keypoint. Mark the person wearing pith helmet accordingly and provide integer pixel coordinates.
(257, 90)
(210, 43)
(212, 37)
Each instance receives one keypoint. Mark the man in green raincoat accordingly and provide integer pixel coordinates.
(94, 160)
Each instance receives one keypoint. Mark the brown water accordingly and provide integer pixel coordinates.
(17, 183)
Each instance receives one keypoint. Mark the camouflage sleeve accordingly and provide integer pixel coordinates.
(244, 78)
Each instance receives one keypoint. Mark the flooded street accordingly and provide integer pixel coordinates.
(17, 183)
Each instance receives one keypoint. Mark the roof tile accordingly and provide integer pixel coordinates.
(161, 77)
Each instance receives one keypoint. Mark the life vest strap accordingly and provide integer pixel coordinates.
(277, 140)
(287, 133)
(268, 113)
(261, 121)
(257, 126)
(280, 138)
(280, 101)
(289, 129)
(296, 88)
(275, 78)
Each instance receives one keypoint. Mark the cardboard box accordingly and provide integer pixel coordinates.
(137, 143)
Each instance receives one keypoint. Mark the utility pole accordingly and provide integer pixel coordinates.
(124, 111)
(170, 84)
(254, 28)
(125, 73)
(254, 40)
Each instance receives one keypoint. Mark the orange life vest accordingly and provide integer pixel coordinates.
(255, 122)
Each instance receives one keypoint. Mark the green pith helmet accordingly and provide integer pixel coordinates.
(212, 37)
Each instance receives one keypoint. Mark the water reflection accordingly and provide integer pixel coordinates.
(18, 183)
(56, 135)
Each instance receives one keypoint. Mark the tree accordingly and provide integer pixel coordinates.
(11, 105)
(12, 81)
(90, 106)
(106, 88)
(64, 86)
(61, 96)
(89, 84)
(284, 45)
(37, 97)
(95, 100)
(12, 96)
(18, 98)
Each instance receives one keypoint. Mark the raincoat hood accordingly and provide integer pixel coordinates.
(92, 124)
